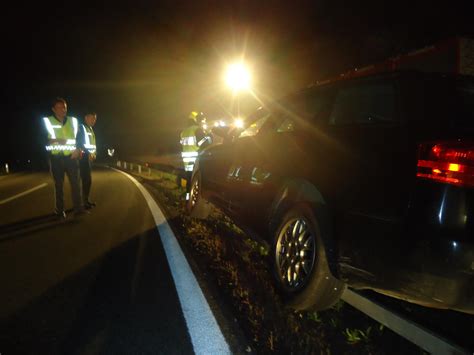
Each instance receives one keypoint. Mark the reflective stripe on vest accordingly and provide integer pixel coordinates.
(68, 131)
(188, 139)
(89, 138)
(189, 154)
(190, 147)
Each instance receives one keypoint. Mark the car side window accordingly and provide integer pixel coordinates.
(365, 104)
(258, 121)
(305, 109)
(288, 125)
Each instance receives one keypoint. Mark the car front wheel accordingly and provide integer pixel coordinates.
(300, 264)
(196, 206)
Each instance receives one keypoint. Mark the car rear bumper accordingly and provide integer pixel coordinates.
(436, 273)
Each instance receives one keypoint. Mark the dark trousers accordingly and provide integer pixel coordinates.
(64, 164)
(188, 175)
(86, 176)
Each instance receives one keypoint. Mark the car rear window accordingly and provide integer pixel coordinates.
(465, 94)
(364, 104)
(453, 100)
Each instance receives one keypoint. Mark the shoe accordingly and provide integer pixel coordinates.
(60, 215)
(89, 205)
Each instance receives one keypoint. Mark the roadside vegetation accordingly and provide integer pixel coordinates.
(239, 269)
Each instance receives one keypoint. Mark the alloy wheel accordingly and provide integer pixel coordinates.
(195, 193)
(295, 253)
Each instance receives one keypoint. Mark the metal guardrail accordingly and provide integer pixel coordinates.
(146, 170)
(148, 166)
(415, 333)
(130, 166)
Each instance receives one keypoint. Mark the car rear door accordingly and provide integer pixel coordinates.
(376, 163)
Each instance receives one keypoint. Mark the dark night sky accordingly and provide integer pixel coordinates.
(143, 66)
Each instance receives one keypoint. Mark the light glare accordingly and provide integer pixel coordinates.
(238, 122)
(238, 77)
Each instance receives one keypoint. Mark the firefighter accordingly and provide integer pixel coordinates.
(86, 141)
(61, 131)
(193, 139)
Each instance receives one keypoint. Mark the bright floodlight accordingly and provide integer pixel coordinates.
(238, 122)
(238, 77)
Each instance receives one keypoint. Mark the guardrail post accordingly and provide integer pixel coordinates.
(149, 171)
(125, 165)
(131, 166)
(119, 164)
(139, 169)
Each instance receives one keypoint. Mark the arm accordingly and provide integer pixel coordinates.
(202, 139)
(80, 139)
(77, 154)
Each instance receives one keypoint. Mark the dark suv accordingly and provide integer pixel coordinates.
(366, 182)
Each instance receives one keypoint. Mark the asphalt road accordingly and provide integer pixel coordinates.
(100, 284)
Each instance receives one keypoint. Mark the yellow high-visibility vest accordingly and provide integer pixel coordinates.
(89, 139)
(56, 130)
(190, 147)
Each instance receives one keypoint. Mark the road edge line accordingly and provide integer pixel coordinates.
(206, 335)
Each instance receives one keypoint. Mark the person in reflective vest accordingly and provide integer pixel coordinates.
(61, 131)
(86, 141)
(193, 139)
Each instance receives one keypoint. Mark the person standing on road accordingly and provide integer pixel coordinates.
(86, 141)
(61, 131)
(193, 138)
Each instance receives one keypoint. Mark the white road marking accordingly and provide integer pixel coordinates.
(23, 193)
(206, 336)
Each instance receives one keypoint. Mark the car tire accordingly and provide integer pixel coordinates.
(196, 206)
(300, 264)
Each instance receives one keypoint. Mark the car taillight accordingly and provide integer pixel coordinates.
(447, 162)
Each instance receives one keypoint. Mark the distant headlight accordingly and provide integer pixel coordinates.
(239, 123)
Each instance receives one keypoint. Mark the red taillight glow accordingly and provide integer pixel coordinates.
(454, 167)
(447, 162)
